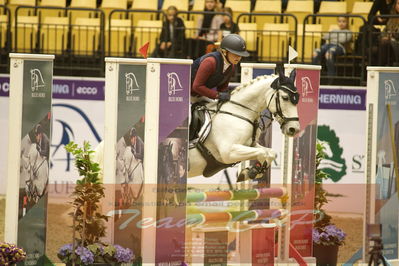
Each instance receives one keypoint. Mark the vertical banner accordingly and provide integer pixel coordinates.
(165, 160)
(174, 105)
(263, 246)
(31, 80)
(298, 164)
(382, 173)
(124, 146)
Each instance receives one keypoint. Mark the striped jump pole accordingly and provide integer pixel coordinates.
(235, 216)
(245, 194)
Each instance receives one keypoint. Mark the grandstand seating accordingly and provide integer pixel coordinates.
(54, 35)
(43, 13)
(3, 30)
(238, 7)
(275, 40)
(13, 4)
(312, 37)
(362, 9)
(120, 36)
(74, 14)
(147, 31)
(143, 5)
(86, 36)
(269, 6)
(108, 5)
(300, 9)
(26, 36)
(330, 8)
(249, 32)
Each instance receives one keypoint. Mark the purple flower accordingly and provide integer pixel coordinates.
(85, 255)
(65, 249)
(123, 254)
(328, 235)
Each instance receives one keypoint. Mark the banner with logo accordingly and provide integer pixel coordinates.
(303, 167)
(129, 170)
(387, 172)
(172, 159)
(28, 164)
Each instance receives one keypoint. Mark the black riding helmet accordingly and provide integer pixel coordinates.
(235, 44)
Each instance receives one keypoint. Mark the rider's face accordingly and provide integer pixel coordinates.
(233, 58)
(133, 140)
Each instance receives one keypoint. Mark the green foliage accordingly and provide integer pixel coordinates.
(89, 222)
(322, 219)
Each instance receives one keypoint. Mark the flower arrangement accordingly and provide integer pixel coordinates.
(96, 253)
(324, 231)
(88, 221)
(11, 254)
(329, 235)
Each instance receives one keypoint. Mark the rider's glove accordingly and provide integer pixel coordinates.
(224, 96)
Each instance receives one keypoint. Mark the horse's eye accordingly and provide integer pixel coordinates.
(285, 98)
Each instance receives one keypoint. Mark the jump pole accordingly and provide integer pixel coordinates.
(125, 94)
(166, 135)
(31, 79)
(382, 146)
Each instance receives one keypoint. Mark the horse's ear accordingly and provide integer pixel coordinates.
(280, 72)
(293, 75)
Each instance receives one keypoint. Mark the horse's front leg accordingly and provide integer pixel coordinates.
(238, 153)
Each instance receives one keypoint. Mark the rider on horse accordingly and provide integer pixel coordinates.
(210, 77)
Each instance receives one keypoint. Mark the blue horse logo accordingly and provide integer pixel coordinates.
(68, 135)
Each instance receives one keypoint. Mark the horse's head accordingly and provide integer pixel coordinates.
(283, 103)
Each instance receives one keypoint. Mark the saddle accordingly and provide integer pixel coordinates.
(200, 123)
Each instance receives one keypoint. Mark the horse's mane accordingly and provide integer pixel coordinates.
(246, 84)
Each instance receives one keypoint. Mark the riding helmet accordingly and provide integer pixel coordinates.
(235, 44)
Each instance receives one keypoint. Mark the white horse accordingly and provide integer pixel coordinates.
(38, 172)
(235, 131)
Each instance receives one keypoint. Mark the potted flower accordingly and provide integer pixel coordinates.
(326, 236)
(11, 254)
(88, 221)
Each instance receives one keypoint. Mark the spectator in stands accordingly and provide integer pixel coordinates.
(172, 36)
(382, 7)
(209, 23)
(389, 41)
(228, 26)
(335, 46)
(210, 74)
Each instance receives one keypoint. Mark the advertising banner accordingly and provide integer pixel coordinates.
(303, 167)
(174, 105)
(29, 154)
(387, 172)
(129, 170)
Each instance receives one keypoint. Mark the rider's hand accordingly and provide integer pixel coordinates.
(224, 96)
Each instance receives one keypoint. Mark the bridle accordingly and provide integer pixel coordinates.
(294, 99)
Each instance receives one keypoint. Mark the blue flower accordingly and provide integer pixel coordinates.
(85, 255)
(123, 254)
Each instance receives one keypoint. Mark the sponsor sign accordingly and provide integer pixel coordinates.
(387, 160)
(172, 159)
(303, 168)
(34, 160)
